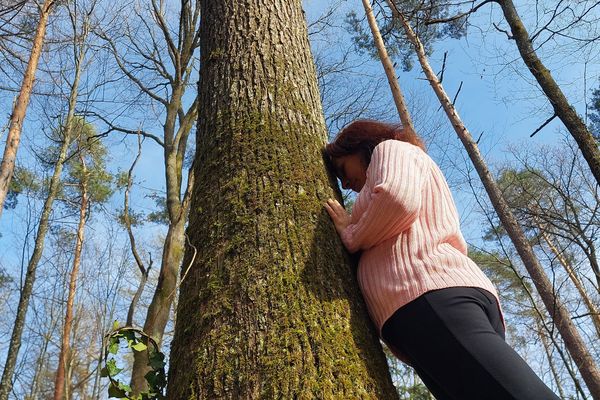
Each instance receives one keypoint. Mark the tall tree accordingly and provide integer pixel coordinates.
(388, 66)
(17, 117)
(573, 340)
(581, 16)
(64, 136)
(91, 185)
(139, 52)
(594, 114)
(562, 108)
(269, 306)
(538, 205)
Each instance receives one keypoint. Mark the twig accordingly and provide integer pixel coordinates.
(508, 35)
(187, 239)
(479, 138)
(457, 92)
(458, 16)
(441, 74)
(543, 125)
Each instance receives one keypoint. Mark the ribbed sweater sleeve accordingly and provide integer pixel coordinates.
(393, 195)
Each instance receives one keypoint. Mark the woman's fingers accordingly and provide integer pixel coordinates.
(338, 214)
(335, 210)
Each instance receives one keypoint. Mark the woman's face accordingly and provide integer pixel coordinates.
(352, 171)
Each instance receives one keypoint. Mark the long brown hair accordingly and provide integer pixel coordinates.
(361, 137)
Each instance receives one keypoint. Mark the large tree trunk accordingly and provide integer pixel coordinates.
(9, 157)
(573, 340)
(562, 109)
(65, 349)
(270, 307)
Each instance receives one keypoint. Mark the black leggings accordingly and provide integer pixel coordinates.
(454, 338)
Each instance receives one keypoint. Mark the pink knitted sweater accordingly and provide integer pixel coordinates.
(406, 223)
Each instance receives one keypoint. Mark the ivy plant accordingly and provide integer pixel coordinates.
(133, 339)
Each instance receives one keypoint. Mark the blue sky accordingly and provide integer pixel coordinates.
(499, 96)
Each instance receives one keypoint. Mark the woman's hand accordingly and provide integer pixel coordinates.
(338, 214)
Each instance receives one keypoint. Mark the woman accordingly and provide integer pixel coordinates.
(432, 305)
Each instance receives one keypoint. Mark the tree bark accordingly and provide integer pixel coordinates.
(160, 307)
(388, 66)
(563, 110)
(573, 340)
(7, 166)
(65, 349)
(270, 307)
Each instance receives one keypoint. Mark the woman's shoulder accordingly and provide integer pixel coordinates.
(393, 145)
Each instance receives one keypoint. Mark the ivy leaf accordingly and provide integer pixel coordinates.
(113, 347)
(139, 346)
(124, 387)
(115, 325)
(104, 372)
(156, 360)
(111, 366)
(114, 391)
(130, 336)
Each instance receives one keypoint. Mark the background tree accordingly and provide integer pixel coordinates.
(562, 108)
(79, 29)
(161, 64)
(594, 114)
(91, 185)
(7, 165)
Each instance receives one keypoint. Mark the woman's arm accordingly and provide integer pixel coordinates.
(395, 179)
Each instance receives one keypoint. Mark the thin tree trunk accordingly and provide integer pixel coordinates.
(15, 340)
(160, 307)
(7, 166)
(589, 249)
(38, 368)
(594, 315)
(138, 259)
(175, 143)
(388, 66)
(65, 349)
(540, 318)
(548, 352)
(562, 109)
(558, 312)
(270, 307)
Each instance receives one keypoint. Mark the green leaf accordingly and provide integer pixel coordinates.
(156, 360)
(130, 336)
(115, 325)
(111, 366)
(124, 387)
(139, 346)
(114, 391)
(113, 347)
(104, 372)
